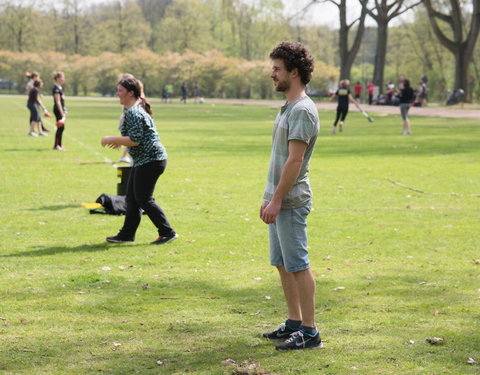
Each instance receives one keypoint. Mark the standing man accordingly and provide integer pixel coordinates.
(370, 92)
(287, 198)
(358, 90)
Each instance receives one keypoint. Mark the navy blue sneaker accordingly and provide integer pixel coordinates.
(301, 340)
(161, 240)
(282, 333)
(119, 239)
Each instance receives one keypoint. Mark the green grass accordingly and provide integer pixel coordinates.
(401, 255)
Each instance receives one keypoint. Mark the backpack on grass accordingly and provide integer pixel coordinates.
(111, 205)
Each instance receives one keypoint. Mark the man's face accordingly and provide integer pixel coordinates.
(280, 76)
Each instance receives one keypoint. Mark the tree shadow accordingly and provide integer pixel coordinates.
(103, 246)
(57, 207)
(26, 149)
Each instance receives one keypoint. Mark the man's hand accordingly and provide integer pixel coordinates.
(269, 211)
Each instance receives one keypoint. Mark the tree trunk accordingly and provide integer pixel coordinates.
(381, 54)
(461, 48)
(347, 57)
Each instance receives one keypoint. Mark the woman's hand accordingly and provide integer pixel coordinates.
(109, 141)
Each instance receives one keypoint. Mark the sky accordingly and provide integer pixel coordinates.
(324, 13)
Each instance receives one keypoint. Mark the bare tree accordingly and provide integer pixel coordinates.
(347, 56)
(460, 46)
(383, 12)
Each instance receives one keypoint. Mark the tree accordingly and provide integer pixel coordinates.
(347, 56)
(347, 52)
(73, 26)
(17, 22)
(383, 12)
(185, 26)
(461, 46)
(153, 12)
(120, 27)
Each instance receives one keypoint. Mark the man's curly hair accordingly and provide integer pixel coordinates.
(295, 55)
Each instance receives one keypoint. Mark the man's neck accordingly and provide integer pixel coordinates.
(295, 93)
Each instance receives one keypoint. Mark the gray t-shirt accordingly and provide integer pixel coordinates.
(295, 121)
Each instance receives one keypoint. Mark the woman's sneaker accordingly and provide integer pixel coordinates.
(164, 239)
(282, 333)
(118, 239)
(301, 340)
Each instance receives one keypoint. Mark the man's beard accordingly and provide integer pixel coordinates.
(282, 86)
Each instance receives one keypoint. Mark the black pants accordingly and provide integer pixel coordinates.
(140, 188)
(341, 114)
(60, 129)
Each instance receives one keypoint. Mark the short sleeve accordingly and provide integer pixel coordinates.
(133, 126)
(302, 125)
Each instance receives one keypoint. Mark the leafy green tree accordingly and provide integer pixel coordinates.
(185, 26)
(153, 12)
(120, 27)
(17, 25)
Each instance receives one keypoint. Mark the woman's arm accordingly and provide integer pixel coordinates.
(117, 141)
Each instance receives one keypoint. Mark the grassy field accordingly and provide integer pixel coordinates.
(394, 266)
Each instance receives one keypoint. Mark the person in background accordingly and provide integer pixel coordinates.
(59, 109)
(34, 76)
(287, 198)
(34, 103)
(471, 86)
(357, 89)
(370, 91)
(422, 94)
(139, 134)
(344, 97)
(169, 89)
(390, 92)
(184, 93)
(196, 92)
(407, 96)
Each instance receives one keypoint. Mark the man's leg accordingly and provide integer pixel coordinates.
(290, 289)
(306, 287)
(299, 289)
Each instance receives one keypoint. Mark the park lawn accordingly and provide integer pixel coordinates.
(393, 238)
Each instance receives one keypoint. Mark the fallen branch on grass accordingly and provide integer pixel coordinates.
(427, 192)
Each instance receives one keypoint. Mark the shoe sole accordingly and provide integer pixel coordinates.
(319, 346)
(276, 338)
(167, 241)
(117, 241)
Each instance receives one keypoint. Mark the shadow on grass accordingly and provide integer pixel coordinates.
(183, 345)
(57, 207)
(65, 249)
(27, 149)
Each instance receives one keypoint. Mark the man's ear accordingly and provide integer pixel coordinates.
(294, 73)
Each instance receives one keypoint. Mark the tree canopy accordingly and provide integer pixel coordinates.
(243, 31)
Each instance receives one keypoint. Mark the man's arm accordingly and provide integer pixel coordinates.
(290, 172)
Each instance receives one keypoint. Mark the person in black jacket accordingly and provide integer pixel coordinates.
(407, 96)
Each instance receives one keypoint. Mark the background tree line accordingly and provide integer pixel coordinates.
(224, 44)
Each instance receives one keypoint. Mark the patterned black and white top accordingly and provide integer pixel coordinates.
(140, 127)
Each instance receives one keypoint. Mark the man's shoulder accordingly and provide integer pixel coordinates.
(305, 104)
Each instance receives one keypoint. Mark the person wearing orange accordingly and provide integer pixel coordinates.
(357, 89)
(370, 91)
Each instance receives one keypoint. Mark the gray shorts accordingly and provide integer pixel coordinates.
(288, 239)
(404, 107)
